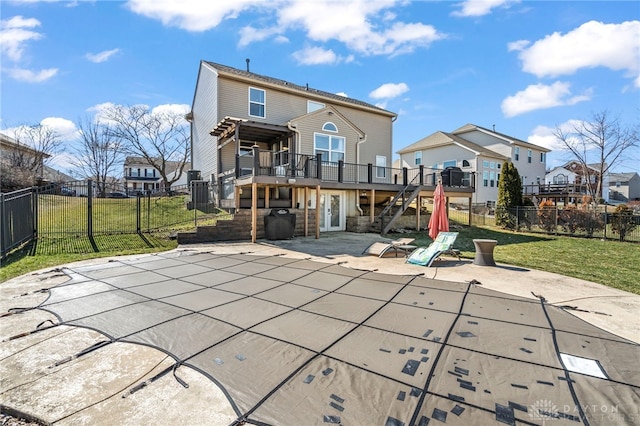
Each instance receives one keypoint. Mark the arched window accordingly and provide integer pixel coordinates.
(329, 127)
(465, 163)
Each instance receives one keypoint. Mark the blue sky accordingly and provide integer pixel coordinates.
(523, 66)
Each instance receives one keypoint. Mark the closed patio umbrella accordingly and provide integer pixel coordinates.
(439, 222)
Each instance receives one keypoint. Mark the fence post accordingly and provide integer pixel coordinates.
(606, 219)
(89, 208)
(138, 226)
(340, 171)
(319, 166)
(517, 218)
(2, 228)
(34, 207)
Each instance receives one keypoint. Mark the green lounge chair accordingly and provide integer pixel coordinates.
(443, 244)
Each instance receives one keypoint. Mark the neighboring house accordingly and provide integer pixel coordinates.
(16, 154)
(624, 186)
(52, 175)
(572, 178)
(139, 176)
(263, 142)
(479, 151)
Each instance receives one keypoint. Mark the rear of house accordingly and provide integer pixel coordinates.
(264, 143)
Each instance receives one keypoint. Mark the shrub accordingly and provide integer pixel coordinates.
(547, 216)
(622, 221)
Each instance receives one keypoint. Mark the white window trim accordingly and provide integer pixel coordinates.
(327, 161)
(380, 168)
(328, 130)
(264, 104)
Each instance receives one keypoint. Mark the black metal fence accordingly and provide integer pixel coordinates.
(601, 222)
(72, 210)
(18, 212)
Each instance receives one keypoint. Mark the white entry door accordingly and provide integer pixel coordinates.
(331, 211)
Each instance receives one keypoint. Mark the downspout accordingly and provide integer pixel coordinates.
(363, 140)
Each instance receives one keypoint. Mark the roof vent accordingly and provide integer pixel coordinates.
(248, 60)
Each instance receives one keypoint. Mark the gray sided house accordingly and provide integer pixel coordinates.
(481, 152)
(624, 186)
(265, 143)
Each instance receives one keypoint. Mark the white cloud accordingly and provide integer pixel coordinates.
(318, 55)
(518, 45)
(357, 24)
(179, 109)
(102, 56)
(14, 35)
(192, 15)
(364, 26)
(343, 94)
(543, 136)
(30, 76)
(480, 7)
(541, 96)
(593, 44)
(64, 128)
(389, 90)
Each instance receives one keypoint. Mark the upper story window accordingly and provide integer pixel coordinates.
(257, 102)
(485, 164)
(492, 165)
(450, 163)
(314, 106)
(543, 157)
(330, 146)
(330, 127)
(417, 158)
(516, 153)
(529, 155)
(465, 163)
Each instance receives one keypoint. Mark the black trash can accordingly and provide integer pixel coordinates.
(279, 224)
(452, 176)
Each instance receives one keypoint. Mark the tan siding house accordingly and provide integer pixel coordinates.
(266, 143)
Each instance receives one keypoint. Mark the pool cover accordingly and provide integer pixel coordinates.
(301, 342)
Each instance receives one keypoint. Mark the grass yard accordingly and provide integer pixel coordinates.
(612, 263)
(63, 230)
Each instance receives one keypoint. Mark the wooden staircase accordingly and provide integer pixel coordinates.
(396, 207)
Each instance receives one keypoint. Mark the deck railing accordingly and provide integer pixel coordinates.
(293, 166)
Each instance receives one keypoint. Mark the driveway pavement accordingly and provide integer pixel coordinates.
(276, 333)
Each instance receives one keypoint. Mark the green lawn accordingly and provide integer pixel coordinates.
(612, 263)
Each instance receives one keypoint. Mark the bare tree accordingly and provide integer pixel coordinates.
(34, 145)
(160, 138)
(602, 142)
(98, 153)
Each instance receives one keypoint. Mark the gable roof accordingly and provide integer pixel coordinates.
(331, 110)
(439, 138)
(171, 166)
(510, 139)
(295, 88)
(622, 177)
